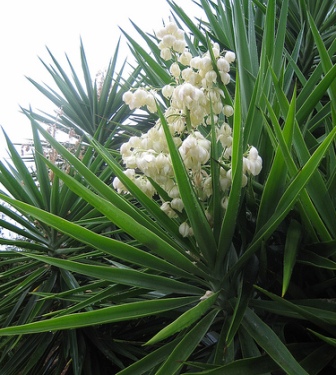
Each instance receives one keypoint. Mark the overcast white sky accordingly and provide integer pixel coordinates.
(27, 27)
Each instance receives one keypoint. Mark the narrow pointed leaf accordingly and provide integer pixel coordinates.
(122, 276)
(293, 240)
(185, 320)
(270, 342)
(118, 249)
(119, 313)
(229, 222)
(287, 200)
(187, 345)
(193, 208)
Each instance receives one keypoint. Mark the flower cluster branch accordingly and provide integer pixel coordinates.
(196, 102)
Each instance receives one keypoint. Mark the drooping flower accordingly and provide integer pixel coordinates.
(119, 186)
(175, 70)
(172, 40)
(167, 91)
(168, 210)
(228, 110)
(195, 150)
(230, 56)
(253, 162)
(185, 230)
(177, 204)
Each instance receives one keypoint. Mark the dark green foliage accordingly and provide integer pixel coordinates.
(99, 283)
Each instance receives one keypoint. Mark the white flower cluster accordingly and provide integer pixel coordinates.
(196, 99)
(172, 40)
(140, 98)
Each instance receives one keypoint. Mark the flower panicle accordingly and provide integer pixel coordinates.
(196, 99)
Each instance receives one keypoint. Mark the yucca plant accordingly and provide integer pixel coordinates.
(29, 180)
(85, 103)
(228, 268)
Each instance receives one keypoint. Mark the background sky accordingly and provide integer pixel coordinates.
(28, 27)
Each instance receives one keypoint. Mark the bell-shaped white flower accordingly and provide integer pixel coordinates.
(119, 186)
(177, 204)
(185, 230)
(171, 28)
(224, 180)
(195, 151)
(167, 209)
(127, 97)
(254, 162)
(179, 45)
(224, 135)
(223, 65)
(225, 77)
(185, 58)
(228, 111)
(167, 91)
(151, 103)
(230, 56)
(144, 184)
(166, 54)
(175, 70)
(168, 41)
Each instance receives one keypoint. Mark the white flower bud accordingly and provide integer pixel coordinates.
(151, 103)
(161, 33)
(228, 110)
(253, 153)
(207, 186)
(224, 202)
(211, 119)
(167, 91)
(211, 76)
(217, 107)
(245, 165)
(130, 173)
(254, 162)
(139, 98)
(175, 70)
(206, 63)
(174, 192)
(171, 28)
(195, 151)
(143, 183)
(216, 50)
(166, 208)
(224, 135)
(177, 204)
(168, 41)
(179, 45)
(195, 62)
(178, 126)
(224, 181)
(230, 56)
(225, 77)
(228, 152)
(187, 74)
(127, 97)
(165, 54)
(185, 230)
(223, 65)
(118, 185)
(185, 58)
(179, 34)
(207, 294)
